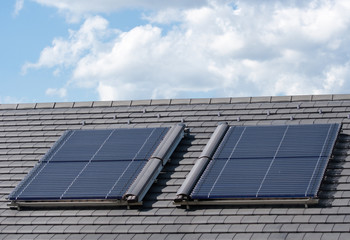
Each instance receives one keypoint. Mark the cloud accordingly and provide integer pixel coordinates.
(65, 53)
(18, 7)
(74, 9)
(220, 49)
(59, 92)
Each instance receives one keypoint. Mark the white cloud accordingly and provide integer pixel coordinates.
(74, 9)
(18, 7)
(59, 92)
(65, 53)
(253, 48)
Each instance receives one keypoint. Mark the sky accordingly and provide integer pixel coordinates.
(89, 50)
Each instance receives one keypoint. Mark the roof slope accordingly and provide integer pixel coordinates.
(27, 131)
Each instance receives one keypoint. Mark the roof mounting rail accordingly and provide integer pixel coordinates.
(155, 164)
(203, 160)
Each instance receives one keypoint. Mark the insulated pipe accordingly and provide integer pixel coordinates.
(155, 164)
(170, 142)
(144, 180)
(202, 162)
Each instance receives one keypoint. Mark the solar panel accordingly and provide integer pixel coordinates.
(268, 162)
(90, 164)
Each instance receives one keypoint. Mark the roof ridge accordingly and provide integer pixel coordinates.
(177, 101)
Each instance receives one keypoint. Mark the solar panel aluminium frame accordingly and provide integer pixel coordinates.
(154, 165)
(184, 198)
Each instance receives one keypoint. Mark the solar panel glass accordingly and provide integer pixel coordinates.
(268, 161)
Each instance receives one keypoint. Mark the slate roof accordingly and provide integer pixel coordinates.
(27, 131)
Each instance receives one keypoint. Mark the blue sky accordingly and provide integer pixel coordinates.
(84, 50)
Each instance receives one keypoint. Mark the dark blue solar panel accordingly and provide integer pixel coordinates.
(90, 164)
(107, 179)
(268, 161)
(115, 144)
(242, 139)
(49, 181)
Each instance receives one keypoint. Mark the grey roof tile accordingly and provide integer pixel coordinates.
(272, 227)
(140, 102)
(82, 104)
(277, 236)
(235, 228)
(330, 236)
(42, 229)
(129, 236)
(281, 99)
(295, 236)
(208, 236)
(64, 104)
(160, 102)
(341, 227)
(250, 219)
(241, 100)
(290, 227)
(76, 236)
(137, 229)
(260, 236)
(187, 228)
(26, 106)
(122, 229)
(306, 227)
(89, 229)
(204, 228)
(221, 228)
(301, 218)
(284, 219)
(322, 98)
(267, 219)
(73, 229)
(344, 236)
(191, 236)
(318, 219)
(200, 101)
(217, 219)
(170, 228)
(313, 236)
(255, 227)
(299, 98)
(260, 99)
(28, 237)
(26, 229)
(8, 106)
(154, 228)
(59, 237)
(242, 236)
(324, 227)
(92, 236)
(102, 104)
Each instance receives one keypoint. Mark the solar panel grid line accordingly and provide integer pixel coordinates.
(274, 157)
(233, 150)
(331, 143)
(64, 142)
(318, 160)
(116, 182)
(158, 140)
(53, 149)
(87, 163)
